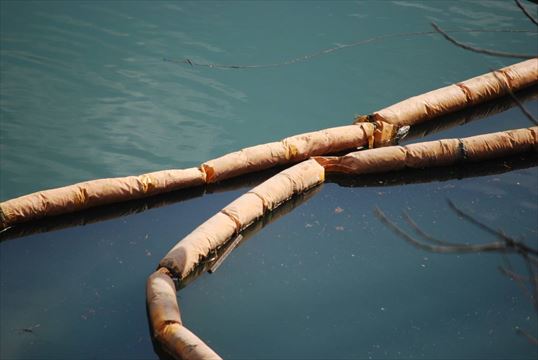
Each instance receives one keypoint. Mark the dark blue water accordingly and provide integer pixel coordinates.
(84, 93)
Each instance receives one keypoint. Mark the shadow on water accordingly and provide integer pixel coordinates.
(417, 176)
(113, 211)
(409, 176)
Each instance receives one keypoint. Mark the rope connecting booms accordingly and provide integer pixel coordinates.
(371, 131)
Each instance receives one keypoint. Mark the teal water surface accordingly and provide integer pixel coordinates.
(85, 93)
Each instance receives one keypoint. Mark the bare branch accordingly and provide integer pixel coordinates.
(480, 224)
(526, 12)
(533, 282)
(520, 281)
(513, 275)
(480, 50)
(494, 246)
(425, 235)
(510, 242)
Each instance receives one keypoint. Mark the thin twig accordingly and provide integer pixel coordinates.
(510, 273)
(494, 246)
(475, 222)
(425, 235)
(520, 281)
(522, 107)
(480, 50)
(510, 242)
(533, 282)
(525, 11)
(335, 48)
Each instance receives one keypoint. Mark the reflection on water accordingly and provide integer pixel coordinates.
(245, 182)
(329, 248)
(84, 94)
(126, 208)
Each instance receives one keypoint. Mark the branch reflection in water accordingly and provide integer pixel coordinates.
(504, 245)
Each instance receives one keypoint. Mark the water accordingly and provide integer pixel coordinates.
(84, 93)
